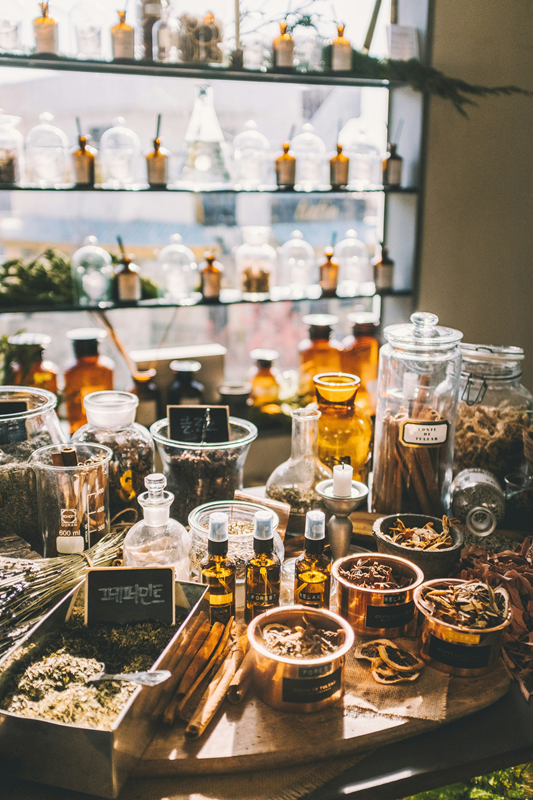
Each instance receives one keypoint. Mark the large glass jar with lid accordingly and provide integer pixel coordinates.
(310, 152)
(178, 276)
(111, 422)
(298, 264)
(256, 262)
(250, 157)
(354, 264)
(120, 151)
(418, 388)
(11, 150)
(92, 274)
(47, 155)
(493, 410)
(11, 17)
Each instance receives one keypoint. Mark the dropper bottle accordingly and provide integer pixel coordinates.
(262, 569)
(313, 568)
(218, 571)
(157, 540)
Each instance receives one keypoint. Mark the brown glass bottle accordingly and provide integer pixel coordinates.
(46, 32)
(341, 52)
(211, 272)
(265, 385)
(383, 269)
(286, 168)
(263, 569)
(360, 357)
(339, 168)
(150, 13)
(320, 352)
(128, 281)
(90, 372)
(329, 274)
(392, 167)
(283, 48)
(184, 391)
(312, 570)
(157, 166)
(123, 38)
(218, 571)
(84, 163)
(27, 367)
(144, 387)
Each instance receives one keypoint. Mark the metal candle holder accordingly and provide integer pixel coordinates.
(340, 528)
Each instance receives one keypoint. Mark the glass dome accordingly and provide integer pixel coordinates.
(166, 37)
(309, 151)
(120, 150)
(250, 154)
(354, 264)
(255, 51)
(86, 22)
(177, 271)
(92, 274)
(11, 16)
(11, 149)
(256, 262)
(206, 159)
(308, 49)
(365, 158)
(298, 263)
(47, 155)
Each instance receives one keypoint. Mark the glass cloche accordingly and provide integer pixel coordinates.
(206, 159)
(309, 151)
(11, 150)
(256, 262)
(298, 264)
(86, 22)
(354, 264)
(250, 155)
(177, 271)
(11, 16)
(166, 37)
(120, 150)
(365, 158)
(47, 154)
(92, 274)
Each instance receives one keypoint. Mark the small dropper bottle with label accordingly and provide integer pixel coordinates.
(122, 38)
(84, 160)
(262, 569)
(128, 278)
(218, 571)
(157, 162)
(312, 581)
(45, 30)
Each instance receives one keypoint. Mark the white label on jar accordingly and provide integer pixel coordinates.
(46, 38)
(152, 9)
(284, 52)
(342, 57)
(129, 287)
(424, 434)
(394, 171)
(123, 44)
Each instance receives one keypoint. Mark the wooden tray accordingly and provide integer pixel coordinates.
(255, 736)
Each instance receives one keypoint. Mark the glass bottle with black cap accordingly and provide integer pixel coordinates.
(265, 385)
(319, 352)
(262, 569)
(184, 391)
(218, 571)
(27, 366)
(89, 372)
(312, 570)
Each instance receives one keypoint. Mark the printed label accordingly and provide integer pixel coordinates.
(342, 57)
(296, 690)
(310, 597)
(123, 44)
(284, 52)
(459, 655)
(389, 617)
(221, 614)
(220, 599)
(262, 598)
(394, 599)
(46, 38)
(314, 672)
(424, 434)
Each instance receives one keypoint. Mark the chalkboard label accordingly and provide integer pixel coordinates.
(459, 655)
(389, 616)
(130, 594)
(12, 430)
(198, 424)
(312, 690)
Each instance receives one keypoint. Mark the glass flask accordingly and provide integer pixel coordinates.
(294, 481)
(47, 155)
(354, 264)
(157, 540)
(92, 274)
(365, 159)
(11, 150)
(256, 262)
(89, 372)
(283, 48)
(11, 17)
(120, 150)
(360, 356)
(166, 37)
(309, 151)
(308, 49)
(265, 384)
(177, 271)
(111, 422)
(206, 161)
(298, 264)
(320, 352)
(184, 390)
(27, 367)
(122, 38)
(86, 21)
(250, 157)
(493, 410)
(45, 30)
(344, 429)
(418, 387)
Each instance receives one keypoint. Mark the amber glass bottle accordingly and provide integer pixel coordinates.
(144, 387)
(392, 167)
(84, 163)
(361, 357)
(46, 32)
(123, 38)
(320, 352)
(339, 168)
(265, 385)
(286, 168)
(128, 281)
(157, 166)
(383, 269)
(341, 52)
(27, 366)
(329, 274)
(262, 569)
(218, 571)
(283, 47)
(211, 272)
(312, 570)
(184, 390)
(89, 372)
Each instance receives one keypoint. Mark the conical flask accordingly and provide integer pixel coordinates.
(206, 160)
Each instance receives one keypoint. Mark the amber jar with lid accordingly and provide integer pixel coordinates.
(319, 352)
(211, 273)
(329, 274)
(89, 372)
(360, 357)
(27, 366)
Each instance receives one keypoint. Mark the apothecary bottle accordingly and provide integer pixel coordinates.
(144, 387)
(84, 163)
(392, 167)
(310, 152)
(283, 47)
(418, 388)
(211, 272)
(262, 569)
(11, 149)
(47, 154)
(177, 271)
(185, 390)
(157, 163)
(27, 366)
(122, 39)
(341, 52)
(360, 356)
(383, 266)
(92, 274)
(264, 378)
(339, 170)
(286, 168)
(294, 481)
(128, 287)
(46, 32)
(256, 262)
(319, 352)
(119, 156)
(218, 571)
(89, 372)
(312, 570)
(365, 158)
(11, 18)
(250, 157)
(329, 273)
(298, 264)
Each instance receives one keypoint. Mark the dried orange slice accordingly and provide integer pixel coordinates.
(400, 660)
(369, 650)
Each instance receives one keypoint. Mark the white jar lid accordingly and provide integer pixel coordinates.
(110, 410)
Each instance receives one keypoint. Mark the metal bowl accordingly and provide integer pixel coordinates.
(299, 684)
(378, 612)
(464, 652)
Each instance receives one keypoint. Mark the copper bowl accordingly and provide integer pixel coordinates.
(378, 612)
(299, 684)
(464, 652)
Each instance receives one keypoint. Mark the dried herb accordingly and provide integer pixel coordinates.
(426, 538)
(472, 604)
(237, 527)
(370, 574)
(298, 642)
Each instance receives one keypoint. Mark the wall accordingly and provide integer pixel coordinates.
(477, 271)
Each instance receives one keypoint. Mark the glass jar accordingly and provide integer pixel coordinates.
(92, 274)
(200, 473)
(47, 155)
(310, 152)
(256, 262)
(298, 264)
(294, 481)
(27, 366)
(320, 352)
(120, 151)
(86, 21)
(177, 272)
(344, 429)
(206, 162)
(255, 51)
(308, 49)
(354, 264)
(493, 410)
(11, 17)
(28, 421)
(11, 149)
(360, 356)
(265, 383)
(250, 156)
(166, 37)
(184, 390)
(365, 158)
(478, 501)
(111, 422)
(418, 387)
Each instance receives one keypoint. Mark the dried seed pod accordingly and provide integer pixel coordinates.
(400, 660)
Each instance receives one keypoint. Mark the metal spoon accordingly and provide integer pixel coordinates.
(144, 678)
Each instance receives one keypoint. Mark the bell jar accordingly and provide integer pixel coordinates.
(166, 37)
(365, 157)
(309, 151)
(47, 154)
(206, 158)
(256, 262)
(298, 264)
(11, 150)
(11, 16)
(86, 24)
(92, 274)
(354, 264)
(177, 272)
(250, 157)
(120, 150)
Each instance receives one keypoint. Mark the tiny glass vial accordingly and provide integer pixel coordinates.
(341, 52)
(128, 281)
(286, 168)
(218, 571)
(262, 569)
(45, 29)
(312, 570)
(83, 158)
(123, 38)
(184, 390)
(265, 385)
(329, 274)
(339, 168)
(383, 269)
(283, 47)
(211, 272)
(392, 167)
(157, 166)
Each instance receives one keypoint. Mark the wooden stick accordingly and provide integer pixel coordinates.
(418, 481)
(424, 461)
(201, 659)
(242, 680)
(421, 396)
(371, 28)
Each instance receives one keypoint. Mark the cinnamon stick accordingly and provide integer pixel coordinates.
(418, 481)
(421, 395)
(242, 680)
(201, 658)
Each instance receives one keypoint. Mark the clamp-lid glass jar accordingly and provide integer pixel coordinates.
(418, 386)
(111, 422)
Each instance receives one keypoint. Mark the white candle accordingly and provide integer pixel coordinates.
(342, 480)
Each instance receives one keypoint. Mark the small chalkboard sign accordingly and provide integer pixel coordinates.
(198, 424)
(130, 594)
(12, 430)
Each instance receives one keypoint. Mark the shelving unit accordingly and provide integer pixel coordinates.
(327, 190)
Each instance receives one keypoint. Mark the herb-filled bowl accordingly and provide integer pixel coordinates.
(295, 682)
(240, 533)
(464, 650)
(434, 563)
(375, 593)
